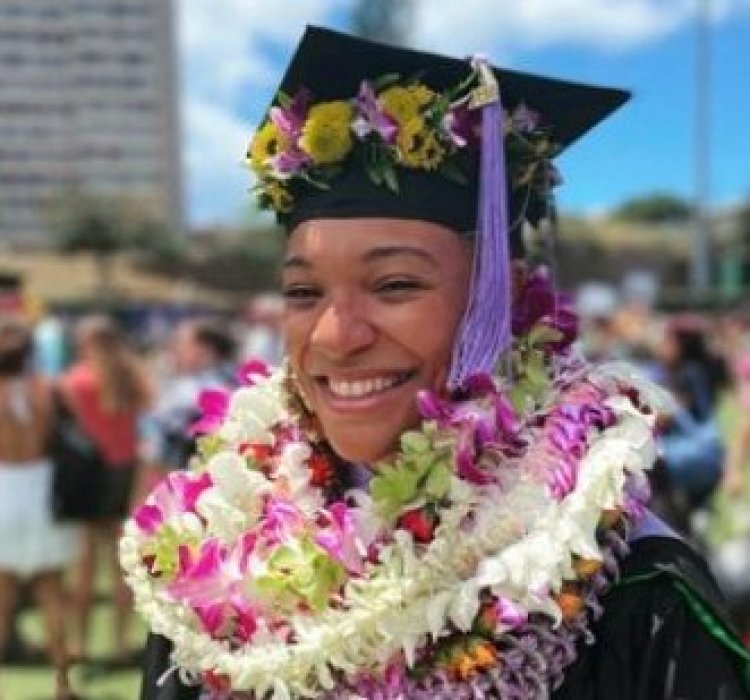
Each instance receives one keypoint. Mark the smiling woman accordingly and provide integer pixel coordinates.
(435, 496)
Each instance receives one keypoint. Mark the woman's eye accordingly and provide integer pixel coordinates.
(301, 295)
(398, 287)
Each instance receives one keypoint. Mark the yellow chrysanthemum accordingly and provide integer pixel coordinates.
(279, 197)
(326, 136)
(418, 146)
(405, 103)
(268, 142)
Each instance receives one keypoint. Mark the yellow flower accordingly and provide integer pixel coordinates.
(326, 135)
(279, 197)
(405, 103)
(485, 655)
(268, 142)
(418, 146)
(465, 668)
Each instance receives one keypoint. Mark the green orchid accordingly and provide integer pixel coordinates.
(300, 572)
(164, 548)
(209, 445)
(421, 472)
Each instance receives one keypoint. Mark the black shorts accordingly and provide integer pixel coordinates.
(115, 489)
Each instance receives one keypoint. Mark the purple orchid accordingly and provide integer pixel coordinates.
(251, 372)
(210, 583)
(339, 540)
(509, 614)
(525, 120)
(288, 163)
(213, 404)
(461, 124)
(281, 519)
(567, 433)
(175, 495)
(484, 419)
(232, 619)
(563, 478)
(291, 119)
(148, 518)
(538, 304)
(371, 118)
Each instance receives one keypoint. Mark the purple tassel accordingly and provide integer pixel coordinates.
(485, 328)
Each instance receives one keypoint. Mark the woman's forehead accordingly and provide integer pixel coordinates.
(369, 239)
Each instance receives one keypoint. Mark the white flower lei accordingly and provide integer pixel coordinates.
(522, 547)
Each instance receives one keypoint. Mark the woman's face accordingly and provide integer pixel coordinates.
(372, 307)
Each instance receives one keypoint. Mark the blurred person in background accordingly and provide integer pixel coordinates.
(108, 390)
(202, 356)
(50, 345)
(262, 337)
(32, 546)
(729, 533)
(693, 448)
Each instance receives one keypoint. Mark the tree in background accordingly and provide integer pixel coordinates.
(103, 226)
(655, 208)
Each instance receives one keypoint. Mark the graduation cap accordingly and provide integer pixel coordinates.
(363, 129)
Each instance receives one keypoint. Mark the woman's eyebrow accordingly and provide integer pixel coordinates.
(295, 261)
(391, 251)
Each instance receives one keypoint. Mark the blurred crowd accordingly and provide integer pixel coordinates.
(133, 394)
(701, 482)
(135, 391)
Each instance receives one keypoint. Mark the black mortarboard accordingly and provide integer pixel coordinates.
(332, 65)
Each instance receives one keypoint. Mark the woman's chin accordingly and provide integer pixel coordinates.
(362, 452)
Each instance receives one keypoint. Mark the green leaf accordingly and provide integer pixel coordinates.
(390, 177)
(462, 87)
(415, 441)
(209, 445)
(449, 169)
(394, 487)
(300, 571)
(385, 81)
(541, 335)
(284, 100)
(373, 172)
(438, 481)
(535, 366)
(520, 397)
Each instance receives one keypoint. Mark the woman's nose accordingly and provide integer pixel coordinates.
(342, 330)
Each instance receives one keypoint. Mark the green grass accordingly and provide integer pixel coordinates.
(94, 680)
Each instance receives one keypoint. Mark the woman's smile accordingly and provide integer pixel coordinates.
(362, 392)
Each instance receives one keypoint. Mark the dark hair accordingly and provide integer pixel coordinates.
(118, 367)
(215, 335)
(15, 347)
(698, 374)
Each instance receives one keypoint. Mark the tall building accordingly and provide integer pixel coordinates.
(88, 102)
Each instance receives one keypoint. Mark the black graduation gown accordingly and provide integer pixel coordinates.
(651, 643)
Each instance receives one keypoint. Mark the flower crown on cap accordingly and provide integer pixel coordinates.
(390, 124)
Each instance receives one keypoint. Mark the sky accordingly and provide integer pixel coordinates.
(233, 52)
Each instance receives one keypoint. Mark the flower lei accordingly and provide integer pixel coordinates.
(389, 124)
(470, 567)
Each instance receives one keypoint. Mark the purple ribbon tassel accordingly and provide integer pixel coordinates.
(484, 333)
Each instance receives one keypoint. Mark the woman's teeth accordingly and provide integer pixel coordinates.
(362, 387)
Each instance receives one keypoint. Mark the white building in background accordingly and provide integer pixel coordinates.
(88, 101)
